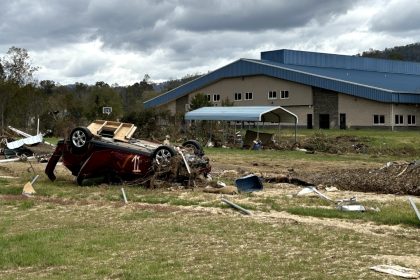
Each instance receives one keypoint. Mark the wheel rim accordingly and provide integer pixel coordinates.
(191, 147)
(163, 156)
(79, 138)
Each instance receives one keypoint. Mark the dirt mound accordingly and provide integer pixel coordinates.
(320, 142)
(393, 178)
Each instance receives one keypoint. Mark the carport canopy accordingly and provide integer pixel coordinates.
(271, 114)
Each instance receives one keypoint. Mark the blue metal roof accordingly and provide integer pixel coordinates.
(275, 114)
(345, 74)
(293, 57)
(385, 81)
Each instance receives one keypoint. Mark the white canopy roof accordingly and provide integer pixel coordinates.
(274, 114)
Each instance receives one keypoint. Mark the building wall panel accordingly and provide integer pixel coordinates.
(259, 86)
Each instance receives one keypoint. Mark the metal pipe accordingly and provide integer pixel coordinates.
(124, 196)
(37, 127)
(33, 181)
(185, 161)
(230, 203)
(414, 207)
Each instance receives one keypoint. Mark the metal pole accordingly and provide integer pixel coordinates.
(414, 207)
(37, 127)
(124, 196)
(258, 130)
(33, 181)
(246, 212)
(234, 135)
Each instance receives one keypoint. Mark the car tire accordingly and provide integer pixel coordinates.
(79, 180)
(198, 150)
(79, 138)
(162, 155)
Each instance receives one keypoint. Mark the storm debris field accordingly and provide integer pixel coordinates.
(172, 226)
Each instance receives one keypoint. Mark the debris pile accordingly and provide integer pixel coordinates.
(398, 177)
(183, 172)
(15, 148)
(335, 145)
(346, 204)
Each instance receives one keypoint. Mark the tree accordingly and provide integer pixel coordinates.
(7, 92)
(2, 74)
(171, 84)
(101, 84)
(145, 85)
(199, 100)
(227, 103)
(47, 86)
(17, 66)
(102, 96)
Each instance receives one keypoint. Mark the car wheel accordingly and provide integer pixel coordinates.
(80, 137)
(79, 180)
(195, 146)
(163, 155)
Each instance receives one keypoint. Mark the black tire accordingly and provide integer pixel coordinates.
(193, 144)
(79, 180)
(79, 138)
(162, 155)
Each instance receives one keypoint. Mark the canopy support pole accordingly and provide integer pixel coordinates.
(258, 130)
(234, 135)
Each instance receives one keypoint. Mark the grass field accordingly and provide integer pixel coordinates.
(71, 232)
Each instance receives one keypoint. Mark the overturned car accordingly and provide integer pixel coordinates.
(106, 149)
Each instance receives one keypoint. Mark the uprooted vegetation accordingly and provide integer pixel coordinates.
(320, 142)
(342, 144)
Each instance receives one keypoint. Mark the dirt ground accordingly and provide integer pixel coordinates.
(364, 181)
(389, 178)
(398, 177)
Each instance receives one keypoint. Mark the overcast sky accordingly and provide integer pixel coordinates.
(119, 41)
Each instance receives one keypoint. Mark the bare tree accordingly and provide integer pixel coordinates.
(17, 66)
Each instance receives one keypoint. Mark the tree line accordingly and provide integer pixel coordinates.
(61, 107)
(409, 52)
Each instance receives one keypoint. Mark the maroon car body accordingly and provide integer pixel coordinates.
(89, 157)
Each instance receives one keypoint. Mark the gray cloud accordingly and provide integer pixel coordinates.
(123, 40)
(143, 24)
(256, 15)
(401, 16)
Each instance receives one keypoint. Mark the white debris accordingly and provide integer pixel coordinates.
(397, 271)
(305, 191)
(331, 189)
(31, 140)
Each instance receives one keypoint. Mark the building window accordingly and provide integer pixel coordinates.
(378, 119)
(399, 119)
(208, 97)
(272, 94)
(411, 119)
(216, 97)
(284, 94)
(238, 96)
(248, 95)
